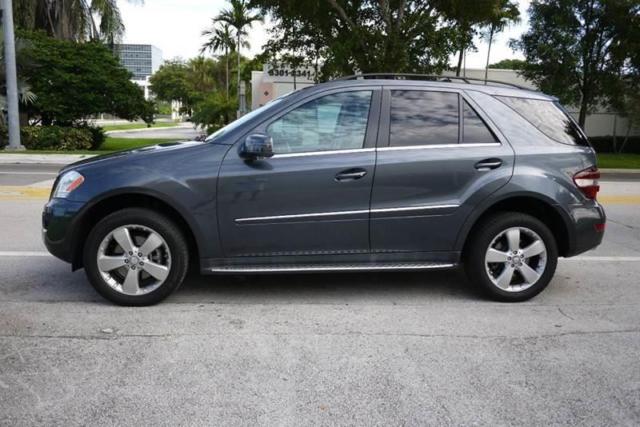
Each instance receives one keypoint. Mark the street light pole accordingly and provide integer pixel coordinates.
(12, 77)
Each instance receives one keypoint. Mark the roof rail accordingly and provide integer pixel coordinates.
(428, 77)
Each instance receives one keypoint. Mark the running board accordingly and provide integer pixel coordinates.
(329, 267)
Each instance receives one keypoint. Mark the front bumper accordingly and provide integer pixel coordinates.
(58, 217)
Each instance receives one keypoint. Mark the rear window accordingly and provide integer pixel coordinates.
(549, 118)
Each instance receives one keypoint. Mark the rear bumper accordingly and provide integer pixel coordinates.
(587, 233)
(58, 218)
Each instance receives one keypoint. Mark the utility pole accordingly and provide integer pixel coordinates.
(12, 77)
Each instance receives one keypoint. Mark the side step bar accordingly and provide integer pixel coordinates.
(329, 267)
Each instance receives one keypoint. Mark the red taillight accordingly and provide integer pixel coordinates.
(588, 182)
(600, 227)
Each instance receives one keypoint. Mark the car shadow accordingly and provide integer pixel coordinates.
(51, 280)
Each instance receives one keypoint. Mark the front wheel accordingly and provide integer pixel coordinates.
(135, 257)
(512, 256)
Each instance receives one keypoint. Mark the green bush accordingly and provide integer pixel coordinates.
(97, 135)
(4, 136)
(56, 138)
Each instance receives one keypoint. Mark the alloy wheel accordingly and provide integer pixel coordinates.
(516, 259)
(134, 259)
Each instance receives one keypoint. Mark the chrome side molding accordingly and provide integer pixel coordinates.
(329, 267)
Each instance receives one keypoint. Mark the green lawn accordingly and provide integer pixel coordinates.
(130, 126)
(110, 145)
(618, 161)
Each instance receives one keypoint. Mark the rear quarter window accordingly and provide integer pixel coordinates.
(548, 117)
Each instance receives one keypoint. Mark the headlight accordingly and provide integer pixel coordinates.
(67, 183)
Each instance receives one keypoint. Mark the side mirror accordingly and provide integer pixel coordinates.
(256, 146)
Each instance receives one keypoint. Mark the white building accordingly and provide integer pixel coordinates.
(278, 80)
(141, 60)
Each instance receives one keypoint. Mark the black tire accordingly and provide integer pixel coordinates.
(177, 245)
(482, 237)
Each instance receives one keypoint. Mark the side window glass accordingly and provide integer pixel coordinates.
(332, 122)
(423, 118)
(474, 129)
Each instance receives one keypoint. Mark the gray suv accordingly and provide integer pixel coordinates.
(373, 173)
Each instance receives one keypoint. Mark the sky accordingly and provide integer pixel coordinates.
(175, 26)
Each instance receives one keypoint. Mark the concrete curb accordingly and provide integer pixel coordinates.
(116, 132)
(47, 159)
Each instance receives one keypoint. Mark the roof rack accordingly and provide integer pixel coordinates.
(428, 77)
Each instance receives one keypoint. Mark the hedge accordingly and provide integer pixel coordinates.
(83, 137)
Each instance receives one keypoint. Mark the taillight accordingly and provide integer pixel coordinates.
(588, 182)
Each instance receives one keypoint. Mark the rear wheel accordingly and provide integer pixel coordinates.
(135, 257)
(512, 256)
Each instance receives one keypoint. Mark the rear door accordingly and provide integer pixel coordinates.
(438, 157)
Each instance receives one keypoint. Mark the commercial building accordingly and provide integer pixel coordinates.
(277, 80)
(142, 60)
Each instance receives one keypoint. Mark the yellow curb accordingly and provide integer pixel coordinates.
(619, 200)
(24, 193)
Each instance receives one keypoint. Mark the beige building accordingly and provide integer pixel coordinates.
(277, 80)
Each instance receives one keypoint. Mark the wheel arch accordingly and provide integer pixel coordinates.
(114, 202)
(534, 204)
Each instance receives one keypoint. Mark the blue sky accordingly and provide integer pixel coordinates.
(175, 27)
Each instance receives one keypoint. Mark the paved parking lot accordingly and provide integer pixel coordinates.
(368, 349)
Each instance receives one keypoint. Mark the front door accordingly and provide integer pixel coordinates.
(437, 160)
(312, 197)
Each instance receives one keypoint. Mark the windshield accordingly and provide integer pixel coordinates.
(242, 120)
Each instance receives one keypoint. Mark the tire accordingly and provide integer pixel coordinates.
(131, 277)
(502, 274)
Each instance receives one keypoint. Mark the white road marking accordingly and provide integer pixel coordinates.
(23, 253)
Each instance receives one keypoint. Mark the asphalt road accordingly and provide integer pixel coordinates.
(335, 349)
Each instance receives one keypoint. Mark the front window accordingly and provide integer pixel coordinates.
(332, 122)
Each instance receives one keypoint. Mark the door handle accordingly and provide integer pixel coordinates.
(350, 175)
(487, 164)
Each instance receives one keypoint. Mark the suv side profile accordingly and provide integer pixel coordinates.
(371, 173)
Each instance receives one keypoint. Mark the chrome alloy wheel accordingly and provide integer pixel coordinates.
(515, 259)
(134, 260)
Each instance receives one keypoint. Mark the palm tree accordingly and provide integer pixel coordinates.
(239, 16)
(219, 38)
(504, 14)
(72, 19)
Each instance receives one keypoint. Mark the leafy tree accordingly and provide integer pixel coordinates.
(214, 111)
(220, 39)
(508, 64)
(71, 19)
(363, 35)
(171, 82)
(74, 81)
(570, 48)
(504, 13)
(239, 16)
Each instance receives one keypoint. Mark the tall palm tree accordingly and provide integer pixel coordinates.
(72, 19)
(220, 39)
(504, 14)
(239, 16)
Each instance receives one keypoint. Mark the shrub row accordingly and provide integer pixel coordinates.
(58, 138)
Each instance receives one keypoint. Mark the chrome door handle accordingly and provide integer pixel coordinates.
(350, 175)
(487, 164)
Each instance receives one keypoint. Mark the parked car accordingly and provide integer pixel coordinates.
(384, 172)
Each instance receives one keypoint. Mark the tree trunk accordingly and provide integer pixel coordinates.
(582, 117)
(626, 137)
(238, 94)
(460, 61)
(226, 54)
(486, 68)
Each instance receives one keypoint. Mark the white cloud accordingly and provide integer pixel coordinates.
(175, 26)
